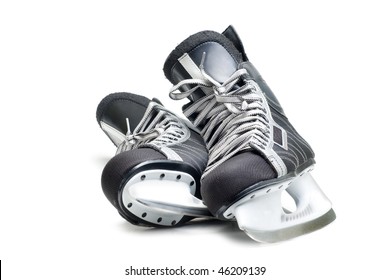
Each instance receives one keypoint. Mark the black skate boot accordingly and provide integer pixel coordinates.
(254, 152)
(154, 178)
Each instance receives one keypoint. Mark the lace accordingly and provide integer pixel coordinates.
(158, 127)
(231, 117)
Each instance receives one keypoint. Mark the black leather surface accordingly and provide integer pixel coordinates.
(233, 36)
(253, 72)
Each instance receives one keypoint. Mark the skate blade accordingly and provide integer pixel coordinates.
(261, 216)
(188, 206)
(293, 231)
(162, 197)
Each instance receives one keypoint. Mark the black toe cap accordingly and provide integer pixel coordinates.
(221, 186)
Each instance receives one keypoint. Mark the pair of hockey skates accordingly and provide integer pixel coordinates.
(234, 159)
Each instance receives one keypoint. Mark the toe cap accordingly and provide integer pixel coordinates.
(221, 186)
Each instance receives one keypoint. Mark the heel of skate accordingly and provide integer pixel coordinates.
(261, 215)
(162, 197)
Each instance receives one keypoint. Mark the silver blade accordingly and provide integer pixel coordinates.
(190, 208)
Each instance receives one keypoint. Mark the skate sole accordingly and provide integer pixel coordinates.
(260, 215)
(157, 181)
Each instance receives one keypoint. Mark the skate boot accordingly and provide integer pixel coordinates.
(154, 179)
(254, 152)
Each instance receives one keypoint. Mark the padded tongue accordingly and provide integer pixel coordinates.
(116, 107)
(221, 59)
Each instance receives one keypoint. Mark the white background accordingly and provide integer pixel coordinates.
(326, 61)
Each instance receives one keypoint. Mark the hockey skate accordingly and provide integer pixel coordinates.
(154, 179)
(255, 154)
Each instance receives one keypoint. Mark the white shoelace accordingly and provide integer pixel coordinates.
(161, 129)
(231, 117)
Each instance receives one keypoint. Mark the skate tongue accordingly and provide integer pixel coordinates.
(221, 60)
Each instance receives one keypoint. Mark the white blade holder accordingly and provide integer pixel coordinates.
(262, 217)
